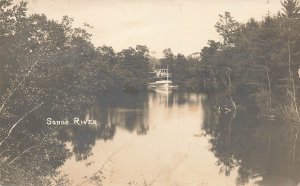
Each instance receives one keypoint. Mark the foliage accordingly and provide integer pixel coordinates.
(256, 60)
(291, 8)
(51, 69)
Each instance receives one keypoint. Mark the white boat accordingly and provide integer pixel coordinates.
(161, 81)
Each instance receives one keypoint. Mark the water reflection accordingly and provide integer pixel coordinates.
(170, 152)
(260, 149)
(188, 141)
(154, 139)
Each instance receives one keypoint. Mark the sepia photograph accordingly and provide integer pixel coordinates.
(149, 92)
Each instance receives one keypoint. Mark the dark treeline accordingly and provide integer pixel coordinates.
(46, 61)
(255, 62)
(51, 69)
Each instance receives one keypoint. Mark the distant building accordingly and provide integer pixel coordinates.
(195, 55)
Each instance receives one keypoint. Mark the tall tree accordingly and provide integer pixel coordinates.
(227, 27)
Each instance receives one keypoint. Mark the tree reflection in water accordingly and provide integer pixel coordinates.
(128, 113)
(260, 148)
(32, 155)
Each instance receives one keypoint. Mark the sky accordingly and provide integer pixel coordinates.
(185, 26)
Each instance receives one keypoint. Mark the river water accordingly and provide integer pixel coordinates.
(179, 139)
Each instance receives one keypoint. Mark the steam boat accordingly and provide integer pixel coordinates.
(161, 80)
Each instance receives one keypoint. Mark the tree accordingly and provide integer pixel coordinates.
(227, 27)
(291, 8)
(132, 71)
(168, 58)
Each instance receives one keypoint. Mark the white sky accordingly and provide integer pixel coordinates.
(185, 26)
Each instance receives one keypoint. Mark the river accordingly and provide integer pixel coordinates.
(179, 139)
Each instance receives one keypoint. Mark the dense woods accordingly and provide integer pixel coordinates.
(49, 68)
(255, 62)
(45, 61)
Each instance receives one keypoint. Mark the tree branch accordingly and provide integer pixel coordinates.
(23, 80)
(21, 119)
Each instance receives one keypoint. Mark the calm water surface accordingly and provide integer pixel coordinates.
(179, 139)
